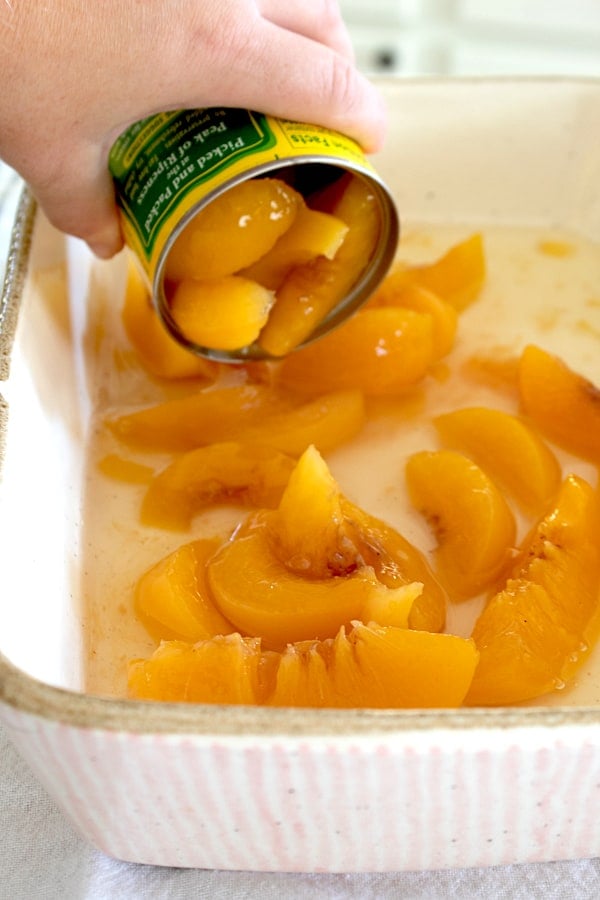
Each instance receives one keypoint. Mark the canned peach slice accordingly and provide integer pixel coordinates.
(507, 448)
(277, 604)
(308, 529)
(382, 350)
(253, 414)
(311, 291)
(473, 523)
(318, 532)
(456, 277)
(230, 471)
(234, 230)
(159, 353)
(224, 669)
(199, 418)
(224, 313)
(172, 598)
(394, 291)
(311, 234)
(561, 402)
(535, 632)
(376, 666)
(328, 421)
(368, 666)
(303, 573)
(396, 562)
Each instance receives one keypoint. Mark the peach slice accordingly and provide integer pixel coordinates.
(225, 669)
(396, 563)
(393, 607)
(199, 418)
(507, 449)
(474, 526)
(274, 602)
(375, 666)
(234, 230)
(244, 473)
(456, 277)
(157, 351)
(225, 313)
(316, 533)
(304, 575)
(307, 529)
(327, 422)
(372, 666)
(382, 350)
(563, 404)
(312, 233)
(253, 414)
(395, 291)
(535, 632)
(311, 291)
(173, 595)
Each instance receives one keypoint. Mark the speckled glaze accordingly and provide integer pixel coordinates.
(14, 277)
(324, 790)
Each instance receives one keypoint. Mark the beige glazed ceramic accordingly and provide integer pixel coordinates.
(287, 790)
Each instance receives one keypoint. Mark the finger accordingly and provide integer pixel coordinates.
(320, 20)
(326, 89)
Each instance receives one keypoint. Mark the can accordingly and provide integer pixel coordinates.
(168, 167)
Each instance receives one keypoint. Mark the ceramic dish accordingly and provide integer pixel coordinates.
(286, 790)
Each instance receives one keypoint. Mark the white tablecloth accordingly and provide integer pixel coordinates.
(43, 858)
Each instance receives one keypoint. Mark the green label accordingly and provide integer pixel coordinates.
(158, 161)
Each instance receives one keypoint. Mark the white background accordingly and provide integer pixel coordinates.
(476, 37)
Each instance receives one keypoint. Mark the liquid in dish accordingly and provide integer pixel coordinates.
(532, 295)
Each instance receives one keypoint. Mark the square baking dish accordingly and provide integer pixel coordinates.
(284, 789)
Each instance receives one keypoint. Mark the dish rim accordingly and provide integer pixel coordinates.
(29, 695)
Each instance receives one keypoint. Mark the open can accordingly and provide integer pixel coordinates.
(170, 166)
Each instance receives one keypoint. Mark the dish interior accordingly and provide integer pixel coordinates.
(516, 161)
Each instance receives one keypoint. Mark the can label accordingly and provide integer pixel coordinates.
(164, 166)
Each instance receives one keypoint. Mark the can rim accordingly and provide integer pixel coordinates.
(370, 277)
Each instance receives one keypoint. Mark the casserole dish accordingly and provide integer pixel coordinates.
(286, 789)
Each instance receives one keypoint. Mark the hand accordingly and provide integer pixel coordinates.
(74, 75)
